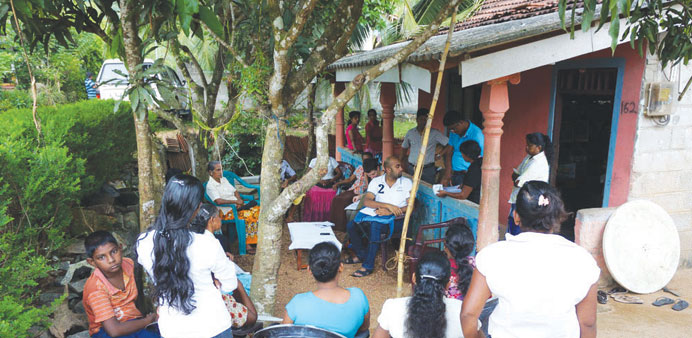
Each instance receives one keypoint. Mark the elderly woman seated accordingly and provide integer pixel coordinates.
(221, 192)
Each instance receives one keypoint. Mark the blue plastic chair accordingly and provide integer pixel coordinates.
(232, 177)
(239, 223)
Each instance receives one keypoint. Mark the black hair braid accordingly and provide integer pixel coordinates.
(426, 308)
(459, 241)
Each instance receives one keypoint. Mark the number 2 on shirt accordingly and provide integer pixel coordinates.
(381, 191)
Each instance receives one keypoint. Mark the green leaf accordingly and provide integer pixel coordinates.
(587, 15)
(4, 8)
(605, 12)
(134, 100)
(614, 33)
(211, 20)
(22, 7)
(561, 5)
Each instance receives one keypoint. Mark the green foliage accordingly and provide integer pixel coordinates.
(245, 136)
(83, 143)
(19, 269)
(645, 19)
(62, 69)
(10, 99)
(90, 130)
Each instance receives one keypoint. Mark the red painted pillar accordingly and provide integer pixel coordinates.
(340, 134)
(387, 100)
(494, 104)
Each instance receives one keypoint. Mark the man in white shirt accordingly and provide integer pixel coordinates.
(330, 176)
(387, 195)
(413, 142)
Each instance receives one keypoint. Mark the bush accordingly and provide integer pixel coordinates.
(10, 99)
(89, 129)
(245, 136)
(41, 183)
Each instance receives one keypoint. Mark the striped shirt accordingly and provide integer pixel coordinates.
(90, 88)
(103, 301)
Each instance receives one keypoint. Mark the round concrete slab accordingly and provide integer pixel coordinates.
(641, 246)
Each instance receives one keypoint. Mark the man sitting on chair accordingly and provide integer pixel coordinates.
(386, 200)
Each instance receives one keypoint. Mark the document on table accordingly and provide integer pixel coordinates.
(454, 189)
(304, 235)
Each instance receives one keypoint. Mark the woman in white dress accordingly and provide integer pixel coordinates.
(427, 313)
(180, 263)
(546, 285)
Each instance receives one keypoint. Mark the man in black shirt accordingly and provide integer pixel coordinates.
(471, 189)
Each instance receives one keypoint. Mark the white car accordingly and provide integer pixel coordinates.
(112, 85)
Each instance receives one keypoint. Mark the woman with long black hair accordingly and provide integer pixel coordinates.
(459, 243)
(427, 313)
(180, 263)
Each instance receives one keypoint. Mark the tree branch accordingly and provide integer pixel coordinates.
(298, 24)
(326, 50)
(302, 185)
(223, 43)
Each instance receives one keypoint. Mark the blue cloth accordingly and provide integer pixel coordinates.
(345, 319)
(367, 254)
(512, 227)
(139, 334)
(90, 90)
(473, 133)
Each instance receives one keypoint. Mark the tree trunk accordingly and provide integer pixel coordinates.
(309, 154)
(147, 199)
(200, 155)
(133, 57)
(268, 257)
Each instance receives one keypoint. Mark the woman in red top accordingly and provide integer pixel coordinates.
(373, 133)
(353, 137)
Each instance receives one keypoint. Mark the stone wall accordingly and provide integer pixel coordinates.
(662, 159)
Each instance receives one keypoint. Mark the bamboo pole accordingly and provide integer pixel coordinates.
(419, 164)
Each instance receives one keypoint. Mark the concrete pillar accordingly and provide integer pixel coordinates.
(387, 100)
(340, 134)
(494, 103)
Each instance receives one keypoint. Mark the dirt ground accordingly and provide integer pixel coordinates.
(614, 319)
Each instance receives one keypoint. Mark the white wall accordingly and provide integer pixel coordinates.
(662, 163)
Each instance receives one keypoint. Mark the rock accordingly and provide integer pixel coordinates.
(127, 197)
(48, 297)
(77, 247)
(64, 319)
(79, 308)
(83, 334)
(64, 265)
(104, 209)
(78, 286)
(131, 221)
(71, 270)
(85, 221)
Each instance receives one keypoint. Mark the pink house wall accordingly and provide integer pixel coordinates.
(530, 110)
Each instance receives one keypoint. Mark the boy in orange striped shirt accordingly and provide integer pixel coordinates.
(110, 292)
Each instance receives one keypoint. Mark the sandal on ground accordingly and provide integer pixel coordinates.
(361, 273)
(617, 289)
(623, 298)
(352, 260)
(660, 301)
(602, 297)
(680, 305)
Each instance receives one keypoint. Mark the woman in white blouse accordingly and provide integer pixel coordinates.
(545, 284)
(180, 263)
(534, 167)
(427, 313)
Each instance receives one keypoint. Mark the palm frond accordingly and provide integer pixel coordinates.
(359, 36)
